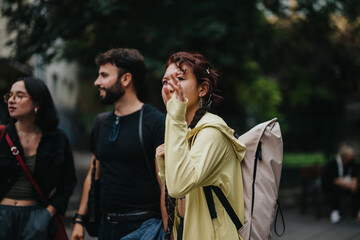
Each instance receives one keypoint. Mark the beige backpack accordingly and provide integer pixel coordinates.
(261, 171)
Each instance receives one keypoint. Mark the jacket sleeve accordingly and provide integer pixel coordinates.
(161, 166)
(67, 181)
(185, 168)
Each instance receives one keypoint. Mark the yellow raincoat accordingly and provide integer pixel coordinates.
(207, 155)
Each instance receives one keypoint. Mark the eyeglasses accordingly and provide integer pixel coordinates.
(17, 96)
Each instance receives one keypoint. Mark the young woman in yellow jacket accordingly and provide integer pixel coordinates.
(200, 150)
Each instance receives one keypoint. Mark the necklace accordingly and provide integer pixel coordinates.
(27, 136)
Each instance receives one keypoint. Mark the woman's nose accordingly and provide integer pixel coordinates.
(11, 99)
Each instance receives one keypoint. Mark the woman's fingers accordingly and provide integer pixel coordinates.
(177, 88)
(173, 86)
(167, 94)
(160, 150)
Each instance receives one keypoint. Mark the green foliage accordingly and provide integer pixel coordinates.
(300, 64)
(260, 95)
(303, 159)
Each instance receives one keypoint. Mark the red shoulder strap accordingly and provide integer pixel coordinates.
(15, 152)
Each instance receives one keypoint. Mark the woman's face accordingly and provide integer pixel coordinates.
(20, 105)
(188, 83)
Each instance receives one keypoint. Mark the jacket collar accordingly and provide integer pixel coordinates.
(11, 130)
(214, 121)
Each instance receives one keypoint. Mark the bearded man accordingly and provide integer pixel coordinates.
(123, 144)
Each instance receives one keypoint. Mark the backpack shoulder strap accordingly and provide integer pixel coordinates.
(221, 196)
(210, 201)
(147, 160)
(99, 122)
(98, 125)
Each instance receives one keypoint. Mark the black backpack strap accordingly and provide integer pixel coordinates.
(147, 160)
(221, 196)
(210, 201)
(98, 125)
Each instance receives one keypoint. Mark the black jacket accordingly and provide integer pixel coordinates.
(54, 167)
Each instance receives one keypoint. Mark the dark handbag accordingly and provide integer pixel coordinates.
(60, 232)
(93, 205)
(93, 222)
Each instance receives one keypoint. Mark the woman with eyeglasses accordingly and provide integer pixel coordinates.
(47, 153)
(200, 150)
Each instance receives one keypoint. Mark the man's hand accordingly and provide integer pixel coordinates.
(353, 185)
(78, 232)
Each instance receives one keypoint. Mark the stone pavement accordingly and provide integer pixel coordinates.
(298, 226)
(307, 227)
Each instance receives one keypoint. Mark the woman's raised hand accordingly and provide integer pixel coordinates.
(173, 86)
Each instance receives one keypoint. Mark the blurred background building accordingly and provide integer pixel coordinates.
(61, 77)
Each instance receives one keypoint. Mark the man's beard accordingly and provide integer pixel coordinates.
(112, 94)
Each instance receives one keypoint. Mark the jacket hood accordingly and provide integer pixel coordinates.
(212, 120)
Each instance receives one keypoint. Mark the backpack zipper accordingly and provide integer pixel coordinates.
(257, 157)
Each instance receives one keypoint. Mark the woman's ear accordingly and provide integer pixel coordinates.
(36, 107)
(203, 89)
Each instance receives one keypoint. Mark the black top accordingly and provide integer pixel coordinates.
(125, 180)
(54, 167)
(22, 188)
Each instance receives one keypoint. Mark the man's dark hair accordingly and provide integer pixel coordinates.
(127, 60)
(46, 117)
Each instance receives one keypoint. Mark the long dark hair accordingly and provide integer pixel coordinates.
(203, 72)
(46, 116)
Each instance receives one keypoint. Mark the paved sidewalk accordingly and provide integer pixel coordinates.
(307, 227)
(298, 227)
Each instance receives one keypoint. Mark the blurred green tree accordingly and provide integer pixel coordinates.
(314, 54)
(298, 60)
